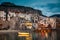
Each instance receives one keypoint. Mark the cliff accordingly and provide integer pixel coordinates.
(7, 6)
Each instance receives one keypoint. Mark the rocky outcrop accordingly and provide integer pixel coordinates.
(56, 15)
(10, 7)
(15, 8)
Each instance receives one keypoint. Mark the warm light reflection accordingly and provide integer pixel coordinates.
(45, 33)
(23, 34)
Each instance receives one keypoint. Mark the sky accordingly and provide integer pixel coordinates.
(48, 7)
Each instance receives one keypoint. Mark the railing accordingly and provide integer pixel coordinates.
(5, 31)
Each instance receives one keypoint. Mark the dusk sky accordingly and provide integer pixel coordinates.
(48, 7)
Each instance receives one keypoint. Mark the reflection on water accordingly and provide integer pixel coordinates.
(45, 35)
(42, 35)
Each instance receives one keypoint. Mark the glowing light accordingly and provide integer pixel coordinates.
(23, 34)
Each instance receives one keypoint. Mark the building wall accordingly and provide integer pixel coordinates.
(57, 22)
(46, 21)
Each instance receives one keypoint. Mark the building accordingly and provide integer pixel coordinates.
(57, 17)
(13, 17)
(17, 15)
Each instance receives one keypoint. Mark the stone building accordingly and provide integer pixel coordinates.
(46, 21)
(57, 17)
(15, 15)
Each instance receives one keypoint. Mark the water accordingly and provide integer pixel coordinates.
(42, 35)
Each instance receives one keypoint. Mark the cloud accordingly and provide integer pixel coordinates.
(48, 7)
(47, 11)
(54, 7)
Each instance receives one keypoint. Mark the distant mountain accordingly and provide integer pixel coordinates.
(7, 5)
(56, 15)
